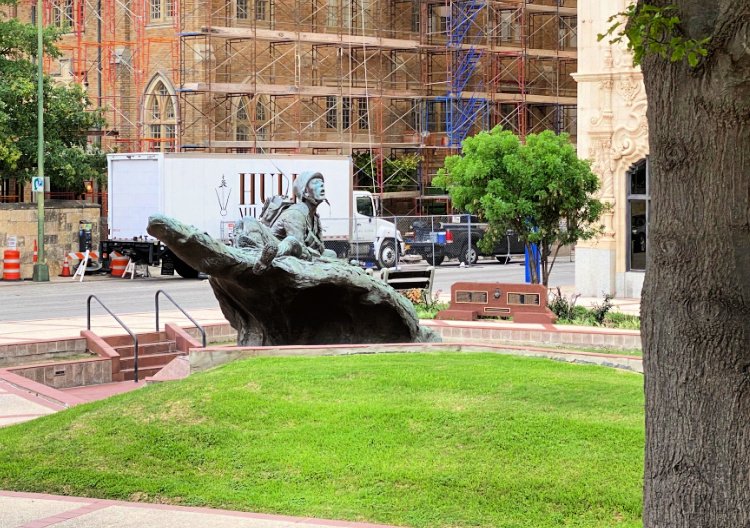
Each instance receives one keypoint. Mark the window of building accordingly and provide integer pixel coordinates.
(567, 32)
(262, 126)
(242, 11)
(638, 212)
(435, 116)
(242, 124)
(415, 17)
(363, 121)
(508, 27)
(339, 13)
(261, 9)
(161, 122)
(331, 113)
(63, 14)
(161, 10)
(439, 18)
(346, 113)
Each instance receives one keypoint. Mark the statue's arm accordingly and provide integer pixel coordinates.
(199, 250)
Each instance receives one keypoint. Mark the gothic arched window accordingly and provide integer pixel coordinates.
(161, 118)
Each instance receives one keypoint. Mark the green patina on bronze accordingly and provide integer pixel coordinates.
(294, 301)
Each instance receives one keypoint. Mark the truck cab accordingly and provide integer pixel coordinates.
(373, 234)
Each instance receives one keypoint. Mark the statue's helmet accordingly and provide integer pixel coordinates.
(300, 184)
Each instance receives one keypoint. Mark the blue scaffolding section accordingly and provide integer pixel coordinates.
(462, 113)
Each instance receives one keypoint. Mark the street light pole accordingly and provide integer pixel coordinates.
(41, 270)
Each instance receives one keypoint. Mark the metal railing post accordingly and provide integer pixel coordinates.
(156, 302)
(134, 336)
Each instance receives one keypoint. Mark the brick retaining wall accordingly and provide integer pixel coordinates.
(25, 353)
(75, 373)
(578, 336)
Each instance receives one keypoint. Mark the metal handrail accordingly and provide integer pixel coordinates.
(156, 302)
(135, 337)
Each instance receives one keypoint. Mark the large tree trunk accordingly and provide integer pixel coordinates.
(696, 297)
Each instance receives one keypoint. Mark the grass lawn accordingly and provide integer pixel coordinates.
(423, 440)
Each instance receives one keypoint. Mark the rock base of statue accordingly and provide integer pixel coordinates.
(294, 301)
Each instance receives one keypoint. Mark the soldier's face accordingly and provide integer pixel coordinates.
(316, 189)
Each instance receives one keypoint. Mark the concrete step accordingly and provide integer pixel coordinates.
(152, 360)
(148, 337)
(143, 373)
(146, 349)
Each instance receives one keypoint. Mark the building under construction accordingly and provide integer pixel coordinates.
(381, 80)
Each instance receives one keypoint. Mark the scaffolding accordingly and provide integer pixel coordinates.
(376, 79)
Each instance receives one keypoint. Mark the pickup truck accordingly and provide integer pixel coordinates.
(420, 239)
(462, 241)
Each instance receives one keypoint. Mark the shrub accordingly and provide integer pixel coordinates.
(427, 306)
(568, 312)
(563, 307)
(599, 311)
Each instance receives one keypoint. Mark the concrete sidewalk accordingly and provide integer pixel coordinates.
(70, 327)
(35, 510)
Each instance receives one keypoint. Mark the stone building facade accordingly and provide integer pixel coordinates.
(380, 78)
(613, 134)
(62, 221)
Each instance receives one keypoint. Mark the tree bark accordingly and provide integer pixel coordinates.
(696, 296)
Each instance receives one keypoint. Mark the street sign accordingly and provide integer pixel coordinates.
(12, 243)
(37, 184)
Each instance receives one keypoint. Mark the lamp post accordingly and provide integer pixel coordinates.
(41, 270)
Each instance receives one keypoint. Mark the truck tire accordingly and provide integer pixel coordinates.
(502, 259)
(469, 254)
(436, 262)
(387, 254)
(183, 269)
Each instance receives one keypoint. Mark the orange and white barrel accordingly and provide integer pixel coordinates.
(11, 265)
(118, 263)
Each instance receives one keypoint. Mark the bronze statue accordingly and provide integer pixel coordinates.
(279, 285)
(297, 226)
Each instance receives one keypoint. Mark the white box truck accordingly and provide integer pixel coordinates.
(213, 191)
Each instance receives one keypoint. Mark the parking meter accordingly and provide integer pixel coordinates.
(84, 235)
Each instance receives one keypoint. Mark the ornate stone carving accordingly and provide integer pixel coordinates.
(628, 88)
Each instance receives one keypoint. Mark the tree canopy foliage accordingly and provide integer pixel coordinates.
(540, 189)
(68, 118)
(400, 173)
(648, 29)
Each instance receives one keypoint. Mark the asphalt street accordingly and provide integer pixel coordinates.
(28, 301)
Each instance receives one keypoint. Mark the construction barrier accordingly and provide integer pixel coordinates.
(80, 255)
(11, 265)
(118, 265)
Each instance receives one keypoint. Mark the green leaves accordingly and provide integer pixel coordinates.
(540, 189)
(67, 116)
(651, 30)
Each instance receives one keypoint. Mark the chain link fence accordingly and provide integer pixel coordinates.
(372, 241)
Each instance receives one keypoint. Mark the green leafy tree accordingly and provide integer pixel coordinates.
(540, 189)
(400, 173)
(696, 293)
(68, 118)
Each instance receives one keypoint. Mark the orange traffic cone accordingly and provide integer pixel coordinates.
(65, 268)
(36, 254)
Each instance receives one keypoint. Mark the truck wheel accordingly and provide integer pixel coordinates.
(387, 256)
(183, 269)
(502, 259)
(469, 254)
(436, 262)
